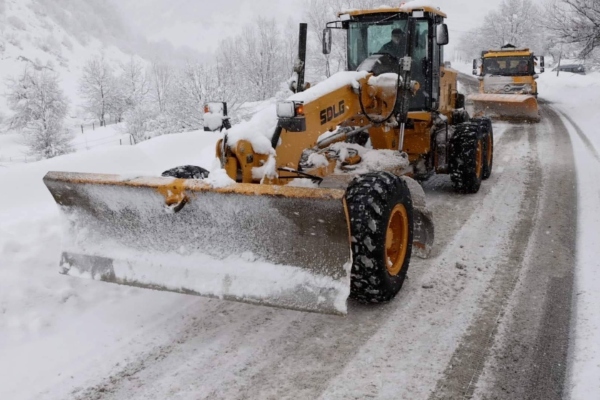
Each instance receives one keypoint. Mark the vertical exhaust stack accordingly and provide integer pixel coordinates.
(302, 55)
(300, 66)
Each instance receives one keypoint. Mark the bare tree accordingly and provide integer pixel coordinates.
(575, 21)
(98, 88)
(162, 76)
(134, 81)
(39, 107)
(256, 62)
(187, 100)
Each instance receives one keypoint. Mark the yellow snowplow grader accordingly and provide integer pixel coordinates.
(507, 86)
(316, 198)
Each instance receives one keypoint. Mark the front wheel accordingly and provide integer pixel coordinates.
(381, 228)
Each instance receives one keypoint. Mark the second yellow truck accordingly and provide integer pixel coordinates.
(507, 84)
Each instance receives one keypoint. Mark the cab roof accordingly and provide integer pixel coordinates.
(508, 53)
(407, 8)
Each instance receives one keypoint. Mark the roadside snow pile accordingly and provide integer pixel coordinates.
(570, 91)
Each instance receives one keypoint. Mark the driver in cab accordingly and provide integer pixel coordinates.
(395, 47)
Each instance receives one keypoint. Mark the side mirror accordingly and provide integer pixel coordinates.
(542, 69)
(442, 37)
(475, 72)
(215, 117)
(327, 41)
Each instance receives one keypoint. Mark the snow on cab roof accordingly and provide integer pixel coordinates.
(425, 5)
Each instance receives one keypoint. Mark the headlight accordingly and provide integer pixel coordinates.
(289, 109)
(286, 109)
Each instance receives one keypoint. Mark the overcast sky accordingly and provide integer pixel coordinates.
(200, 24)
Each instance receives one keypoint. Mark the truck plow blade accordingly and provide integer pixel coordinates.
(278, 246)
(506, 106)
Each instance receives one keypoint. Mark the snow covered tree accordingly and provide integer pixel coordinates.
(575, 21)
(138, 122)
(134, 81)
(39, 107)
(187, 100)
(515, 21)
(255, 62)
(98, 88)
(162, 78)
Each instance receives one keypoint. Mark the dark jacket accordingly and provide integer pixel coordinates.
(396, 50)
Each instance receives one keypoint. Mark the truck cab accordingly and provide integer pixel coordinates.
(508, 71)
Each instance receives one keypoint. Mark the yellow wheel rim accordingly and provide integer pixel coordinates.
(479, 158)
(396, 240)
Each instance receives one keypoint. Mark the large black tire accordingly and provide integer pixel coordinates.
(187, 172)
(467, 157)
(488, 144)
(381, 229)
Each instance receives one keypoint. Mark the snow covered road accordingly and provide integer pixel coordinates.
(486, 316)
(433, 340)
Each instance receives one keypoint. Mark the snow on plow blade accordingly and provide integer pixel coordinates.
(506, 106)
(278, 246)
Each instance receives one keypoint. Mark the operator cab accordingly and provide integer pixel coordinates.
(372, 46)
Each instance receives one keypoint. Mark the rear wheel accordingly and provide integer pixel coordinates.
(381, 227)
(467, 155)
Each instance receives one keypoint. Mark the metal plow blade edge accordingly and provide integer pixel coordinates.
(278, 246)
(506, 106)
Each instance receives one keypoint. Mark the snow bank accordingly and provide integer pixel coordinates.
(577, 98)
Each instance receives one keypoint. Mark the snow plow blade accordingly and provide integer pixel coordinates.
(271, 245)
(506, 106)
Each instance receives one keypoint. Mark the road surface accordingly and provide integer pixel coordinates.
(486, 317)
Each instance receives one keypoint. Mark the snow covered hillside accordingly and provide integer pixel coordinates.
(31, 37)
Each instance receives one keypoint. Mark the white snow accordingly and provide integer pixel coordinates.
(411, 5)
(258, 130)
(335, 82)
(218, 177)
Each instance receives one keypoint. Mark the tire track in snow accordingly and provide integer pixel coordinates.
(468, 360)
(586, 141)
(529, 357)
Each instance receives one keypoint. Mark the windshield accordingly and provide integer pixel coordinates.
(367, 38)
(508, 66)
